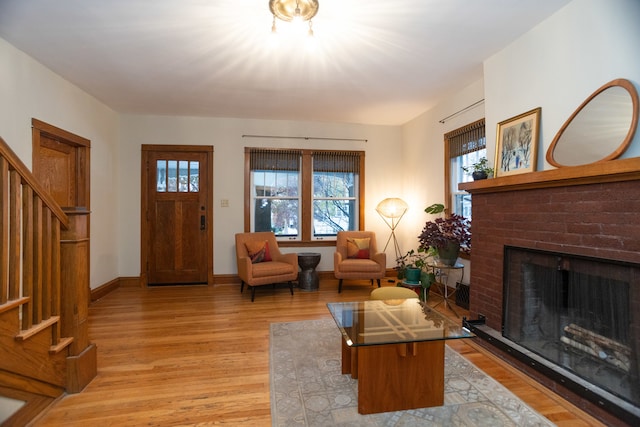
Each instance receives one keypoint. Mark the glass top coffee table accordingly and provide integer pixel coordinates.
(395, 348)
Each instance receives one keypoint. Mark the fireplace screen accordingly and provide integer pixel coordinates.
(581, 314)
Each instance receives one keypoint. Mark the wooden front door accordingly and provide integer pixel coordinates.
(177, 238)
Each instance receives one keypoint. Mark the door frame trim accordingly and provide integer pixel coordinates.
(144, 182)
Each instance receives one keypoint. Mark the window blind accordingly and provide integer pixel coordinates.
(336, 161)
(269, 159)
(467, 139)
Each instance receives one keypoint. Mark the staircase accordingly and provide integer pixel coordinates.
(44, 296)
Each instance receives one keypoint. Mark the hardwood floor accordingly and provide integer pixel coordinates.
(198, 355)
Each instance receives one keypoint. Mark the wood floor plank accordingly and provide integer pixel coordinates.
(199, 355)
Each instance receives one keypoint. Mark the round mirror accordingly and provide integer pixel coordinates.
(600, 129)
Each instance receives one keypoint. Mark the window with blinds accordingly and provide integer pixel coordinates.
(335, 192)
(275, 191)
(463, 147)
(303, 195)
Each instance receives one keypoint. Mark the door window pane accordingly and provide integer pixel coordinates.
(194, 177)
(183, 176)
(161, 176)
(172, 174)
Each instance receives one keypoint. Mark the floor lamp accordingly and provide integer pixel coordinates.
(392, 210)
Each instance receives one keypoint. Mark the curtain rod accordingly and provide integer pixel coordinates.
(305, 138)
(462, 111)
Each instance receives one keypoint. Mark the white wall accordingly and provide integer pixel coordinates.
(423, 157)
(30, 90)
(560, 62)
(382, 160)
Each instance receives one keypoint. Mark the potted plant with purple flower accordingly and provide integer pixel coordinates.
(448, 236)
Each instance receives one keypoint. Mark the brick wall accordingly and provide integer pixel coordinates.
(600, 220)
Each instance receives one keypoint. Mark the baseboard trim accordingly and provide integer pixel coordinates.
(102, 290)
(218, 279)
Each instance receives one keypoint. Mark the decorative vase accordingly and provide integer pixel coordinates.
(412, 275)
(448, 255)
(477, 175)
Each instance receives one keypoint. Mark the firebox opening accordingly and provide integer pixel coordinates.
(577, 313)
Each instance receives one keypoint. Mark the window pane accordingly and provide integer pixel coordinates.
(286, 183)
(462, 204)
(333, 184)
(334, 203)
(276, 202)
(276, 183)
(161, 179)
(277, 215)
(183, 176)
(333, 215)
(194, 177)
(461, 200)
(172, 185)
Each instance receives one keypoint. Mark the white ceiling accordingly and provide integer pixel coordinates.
(374, 62)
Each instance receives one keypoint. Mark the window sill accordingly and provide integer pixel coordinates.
(306, 244)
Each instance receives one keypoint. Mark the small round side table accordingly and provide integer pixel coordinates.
(308, 276)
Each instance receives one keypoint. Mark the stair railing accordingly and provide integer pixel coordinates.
(30, 262)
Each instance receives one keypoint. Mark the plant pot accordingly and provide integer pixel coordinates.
(448, 255)
(426, 280)
(412, 275)
(477, 175)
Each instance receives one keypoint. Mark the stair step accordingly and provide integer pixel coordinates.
(10, 305)
(28, 333)
(64, 343)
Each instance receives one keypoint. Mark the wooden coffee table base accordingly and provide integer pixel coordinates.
(395, 377)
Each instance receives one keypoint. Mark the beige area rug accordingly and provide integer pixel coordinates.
(307, 388)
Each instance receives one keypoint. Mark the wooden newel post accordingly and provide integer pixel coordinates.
(82, 357)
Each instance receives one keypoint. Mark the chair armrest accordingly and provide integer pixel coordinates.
(244, 268)
(381, 259)
(291, 258)
(337, 259)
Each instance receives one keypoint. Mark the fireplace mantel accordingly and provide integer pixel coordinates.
(596, 173)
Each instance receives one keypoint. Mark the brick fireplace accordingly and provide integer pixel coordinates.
(591, 211)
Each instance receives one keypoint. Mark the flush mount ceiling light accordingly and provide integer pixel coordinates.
(293, 10)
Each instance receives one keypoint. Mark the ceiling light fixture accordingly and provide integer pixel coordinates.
(292, 11)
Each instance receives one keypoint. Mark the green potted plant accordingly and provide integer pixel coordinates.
(445, 235)
(413, 269)
(479, 169)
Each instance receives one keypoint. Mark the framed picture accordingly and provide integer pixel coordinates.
(517, 144)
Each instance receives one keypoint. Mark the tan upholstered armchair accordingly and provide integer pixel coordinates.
(356, 257)
(260, 261)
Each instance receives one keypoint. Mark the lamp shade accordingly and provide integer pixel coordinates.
(392, 207)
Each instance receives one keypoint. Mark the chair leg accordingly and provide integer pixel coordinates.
(371, 282)
(241, 286)
(378, 282)
(339, 285)
(291, 286)
(253, 293)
